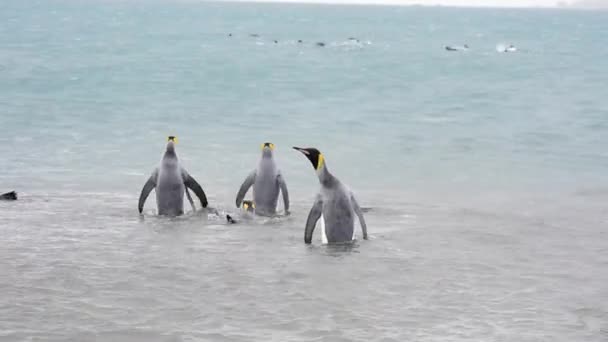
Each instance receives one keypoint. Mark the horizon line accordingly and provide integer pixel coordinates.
(398, 3)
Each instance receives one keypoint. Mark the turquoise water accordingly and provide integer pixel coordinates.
(487, 173)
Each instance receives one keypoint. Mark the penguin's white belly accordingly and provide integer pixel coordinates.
(324, 234)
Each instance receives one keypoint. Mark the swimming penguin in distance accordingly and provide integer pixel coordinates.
(171, 180)
(9, 196)
(267, 181)
(465, 47)
(335, 204)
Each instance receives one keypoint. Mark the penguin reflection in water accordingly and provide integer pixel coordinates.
(171, 181)
(266, 181)
(335, 205)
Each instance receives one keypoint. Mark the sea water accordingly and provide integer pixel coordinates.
(485, 174)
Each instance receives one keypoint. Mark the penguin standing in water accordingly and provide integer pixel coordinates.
(267, 181)
(170, 180)
(335, 205)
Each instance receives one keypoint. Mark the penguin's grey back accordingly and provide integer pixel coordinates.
(266, 187)
(338, 213)
(170, 187)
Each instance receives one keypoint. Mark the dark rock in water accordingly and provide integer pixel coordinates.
(299, 40)
(9, 196)
(320, 44)
(229, 34)
(254, 35)
(276, 41)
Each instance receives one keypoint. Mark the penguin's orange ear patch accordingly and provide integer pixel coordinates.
(320, 161)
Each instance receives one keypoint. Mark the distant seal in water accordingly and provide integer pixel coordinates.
(267, 181)
(9, 196)
(321, 44)
(254, 35)
(335, 205)
(299, 40)
(170, 180)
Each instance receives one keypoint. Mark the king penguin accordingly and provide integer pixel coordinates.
(170, 180)
(267, 181)
(335, 204)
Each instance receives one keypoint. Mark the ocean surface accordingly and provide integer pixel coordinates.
(485, 173)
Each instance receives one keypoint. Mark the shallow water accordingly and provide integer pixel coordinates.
(486, 173)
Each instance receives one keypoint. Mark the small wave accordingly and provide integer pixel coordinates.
(503, 48)
(133, 173)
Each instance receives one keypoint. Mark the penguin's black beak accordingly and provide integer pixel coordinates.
(300, 149)
(312, 154)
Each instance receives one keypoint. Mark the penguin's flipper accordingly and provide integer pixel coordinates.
(244, 188)
(313, 217)
(145, 191)
(193, 185)
(284, 193)
(190, 200)
(359, 213)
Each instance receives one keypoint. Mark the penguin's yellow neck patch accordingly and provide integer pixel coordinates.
(270, 146)
(172, 138)
(320, 162)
